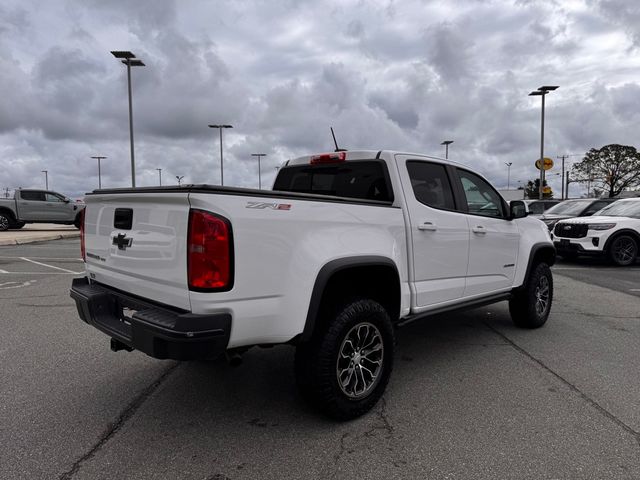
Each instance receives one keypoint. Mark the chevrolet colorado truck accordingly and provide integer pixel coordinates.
(38, 206)
(346, 248)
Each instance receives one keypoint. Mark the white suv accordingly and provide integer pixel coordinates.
(614, 231)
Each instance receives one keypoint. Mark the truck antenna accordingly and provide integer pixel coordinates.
(336, 143)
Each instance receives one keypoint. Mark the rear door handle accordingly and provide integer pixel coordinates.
(479, 229)
(427, 226)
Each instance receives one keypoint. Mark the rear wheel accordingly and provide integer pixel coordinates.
(5, 221)
(623, 250)
(530, 307)
(344, 369)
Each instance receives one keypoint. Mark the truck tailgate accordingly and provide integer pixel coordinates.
(137, 244)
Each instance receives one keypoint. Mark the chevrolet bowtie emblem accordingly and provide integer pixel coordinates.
(121, 241)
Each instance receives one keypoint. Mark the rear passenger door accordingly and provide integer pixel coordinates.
(494, 239)
(438, 234)
(31, 205)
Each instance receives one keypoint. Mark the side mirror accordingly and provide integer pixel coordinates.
(517, 209)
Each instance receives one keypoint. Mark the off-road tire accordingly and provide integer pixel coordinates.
(5, 221)
(317, 364)
(526, 306)
(623, 250)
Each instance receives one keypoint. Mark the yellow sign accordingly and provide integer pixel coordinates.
(548, 163)
(546, 189)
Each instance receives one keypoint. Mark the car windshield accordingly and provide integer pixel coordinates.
(571, 207)
(621, 209)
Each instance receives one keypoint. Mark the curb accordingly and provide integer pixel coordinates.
(39, 238)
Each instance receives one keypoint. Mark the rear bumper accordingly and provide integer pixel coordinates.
(153, 329)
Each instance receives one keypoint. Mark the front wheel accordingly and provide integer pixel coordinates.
(623, 250)
(530, 307)
(344, 369)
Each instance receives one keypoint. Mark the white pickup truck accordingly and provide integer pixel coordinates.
(347, 247)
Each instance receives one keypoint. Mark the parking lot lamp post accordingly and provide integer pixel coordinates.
(220, 127)
(542, 92)
(130, 60)
(259, 155)
(179, 178)
(97, 157)
(46, 179)
(508, 164)
(446, 144)
(159, 175)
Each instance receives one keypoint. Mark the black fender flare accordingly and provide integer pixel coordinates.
(538, 247)
(325, 274)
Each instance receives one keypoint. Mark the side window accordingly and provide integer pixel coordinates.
(482, 199)
(431, 184)
(53, 198)
(595, 206)
(536, 207)
(32, 196)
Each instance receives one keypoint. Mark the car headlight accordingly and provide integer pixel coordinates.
(601, 226)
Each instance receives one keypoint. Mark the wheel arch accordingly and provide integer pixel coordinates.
(540, 252)
(9, 212)
(625, 231)
(376, 277)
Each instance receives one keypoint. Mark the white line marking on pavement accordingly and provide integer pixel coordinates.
(634, 289)
(42, 273)
(59, 259)
(50, 266)
(3, 271)
(8, 285)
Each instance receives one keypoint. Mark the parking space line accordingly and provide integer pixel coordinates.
(41, 273)
(50, 266)
(3, 271)
(60, 259)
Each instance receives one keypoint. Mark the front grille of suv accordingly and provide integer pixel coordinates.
(571, 230)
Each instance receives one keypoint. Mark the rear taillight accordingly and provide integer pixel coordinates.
(83, 251)
(336, 157)
(209, 252)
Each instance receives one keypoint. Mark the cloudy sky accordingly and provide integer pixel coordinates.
(402, 75)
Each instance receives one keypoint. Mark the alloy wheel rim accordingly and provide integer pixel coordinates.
(360, 359)
(4, 222)
(542, 296)
(624, 250)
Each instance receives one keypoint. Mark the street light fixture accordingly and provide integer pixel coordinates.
(130, 60)
(508, 164)
(160, 175)
(46, 179)
(220, 127)
(179, 178)
(97, 157)
(259, 155)
(542, 92)
(446, 144)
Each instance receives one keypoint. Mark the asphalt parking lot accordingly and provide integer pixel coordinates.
(471, 396)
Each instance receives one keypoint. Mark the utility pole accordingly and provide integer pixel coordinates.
(46, 179)
(160, 175)
(508, 164)
(563, 157)
(6, 192)
(446, 144)
(259, 155)
(542, 92)
(98, 157)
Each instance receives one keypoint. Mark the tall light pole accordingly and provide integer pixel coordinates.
(179, 178)
(446, 144)
(97, 157)
(259, 155)
(46, 179)
(542, 91)
(508, 164)
(220, 127)
(130, 60)
(159, 175)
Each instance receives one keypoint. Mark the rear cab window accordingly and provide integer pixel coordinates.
(358, 179)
